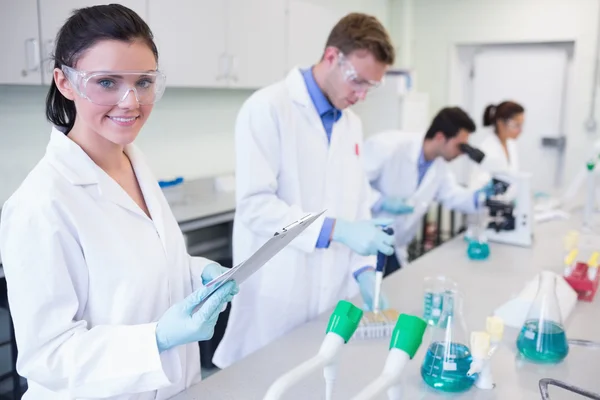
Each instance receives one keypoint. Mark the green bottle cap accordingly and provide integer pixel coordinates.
(590, 165)
(408, 334)
(344, 320)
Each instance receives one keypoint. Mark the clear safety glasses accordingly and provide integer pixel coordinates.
(109, 88)
(514, 125)
(350, 75)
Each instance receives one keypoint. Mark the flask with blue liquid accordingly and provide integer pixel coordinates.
(448, 359)
(478, 247)
(542, 338)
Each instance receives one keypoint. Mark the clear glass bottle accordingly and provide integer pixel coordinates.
(449, 358)
(542, 338)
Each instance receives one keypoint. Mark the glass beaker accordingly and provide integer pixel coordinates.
(478, 247)
(448, 357)
(542, 338)
(433, 293)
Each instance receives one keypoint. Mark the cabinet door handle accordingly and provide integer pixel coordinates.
(48, 57)
(233, 67)
(32, 57)
(223, 67)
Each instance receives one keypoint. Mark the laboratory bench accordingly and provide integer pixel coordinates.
(485, 285)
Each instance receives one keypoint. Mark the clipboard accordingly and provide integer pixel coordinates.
(274, 245)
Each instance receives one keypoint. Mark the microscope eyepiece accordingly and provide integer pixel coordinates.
(474, 153)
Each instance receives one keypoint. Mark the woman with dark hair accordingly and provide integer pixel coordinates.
(499, 146)
(106, 301)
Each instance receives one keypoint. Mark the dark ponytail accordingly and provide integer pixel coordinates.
(488, 115)
(84, 29)
(60, 111)
(502, 112)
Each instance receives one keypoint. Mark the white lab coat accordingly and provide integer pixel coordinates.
(391, 161)
(284, 170)
(495, 160)
(88, 275)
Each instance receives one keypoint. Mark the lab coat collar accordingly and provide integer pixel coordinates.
(297, 88)
(299, 94)
(70, 160)
(417, 149)
(321, 102)
(79, 169)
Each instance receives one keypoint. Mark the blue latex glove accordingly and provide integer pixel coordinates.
(181, 325)
(488, 190)
(366, 284)
(212, 271)
(397, 206)
(364, 237)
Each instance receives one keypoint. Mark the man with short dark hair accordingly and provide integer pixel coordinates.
(298, 150)
(408, 171)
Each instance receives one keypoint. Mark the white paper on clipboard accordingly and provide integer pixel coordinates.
(274, 245)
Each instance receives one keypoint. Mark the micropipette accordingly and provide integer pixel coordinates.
(379, 271)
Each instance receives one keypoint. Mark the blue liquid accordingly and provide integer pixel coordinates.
(547, 347)
(448, 373)
(478, 250)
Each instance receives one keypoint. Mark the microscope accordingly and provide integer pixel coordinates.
(510, 209)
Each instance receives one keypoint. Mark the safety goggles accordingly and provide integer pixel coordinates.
(350, 75)
(514, 125)
(109, 88)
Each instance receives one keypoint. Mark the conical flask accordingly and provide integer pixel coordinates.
(448, 356)
(542, 338)
(478, 248)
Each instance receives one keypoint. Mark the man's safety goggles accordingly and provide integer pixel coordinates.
(109, 88)
(351, 76)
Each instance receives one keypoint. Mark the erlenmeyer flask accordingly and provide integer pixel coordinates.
(478, 248)
(448, 356)
(542, 338)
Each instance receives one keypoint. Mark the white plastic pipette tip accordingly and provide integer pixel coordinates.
(376, 297)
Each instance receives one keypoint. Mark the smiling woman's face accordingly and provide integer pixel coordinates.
(121, 123)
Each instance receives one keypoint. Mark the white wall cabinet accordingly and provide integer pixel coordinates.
(53, 15)
(256, 42)
(310, 22)
(190, 36)
(225, 43)
(19, 43)
(29, 28)
(202, 43)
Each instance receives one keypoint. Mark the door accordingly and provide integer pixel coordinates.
(20, 45)
(257, 50)
(534, 76)
(191, 40)
(53, 15)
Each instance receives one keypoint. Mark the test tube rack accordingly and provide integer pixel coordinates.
(579, 281)
(377, 325)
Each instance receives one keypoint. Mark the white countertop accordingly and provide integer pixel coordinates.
(484, 285)
(198, 199)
